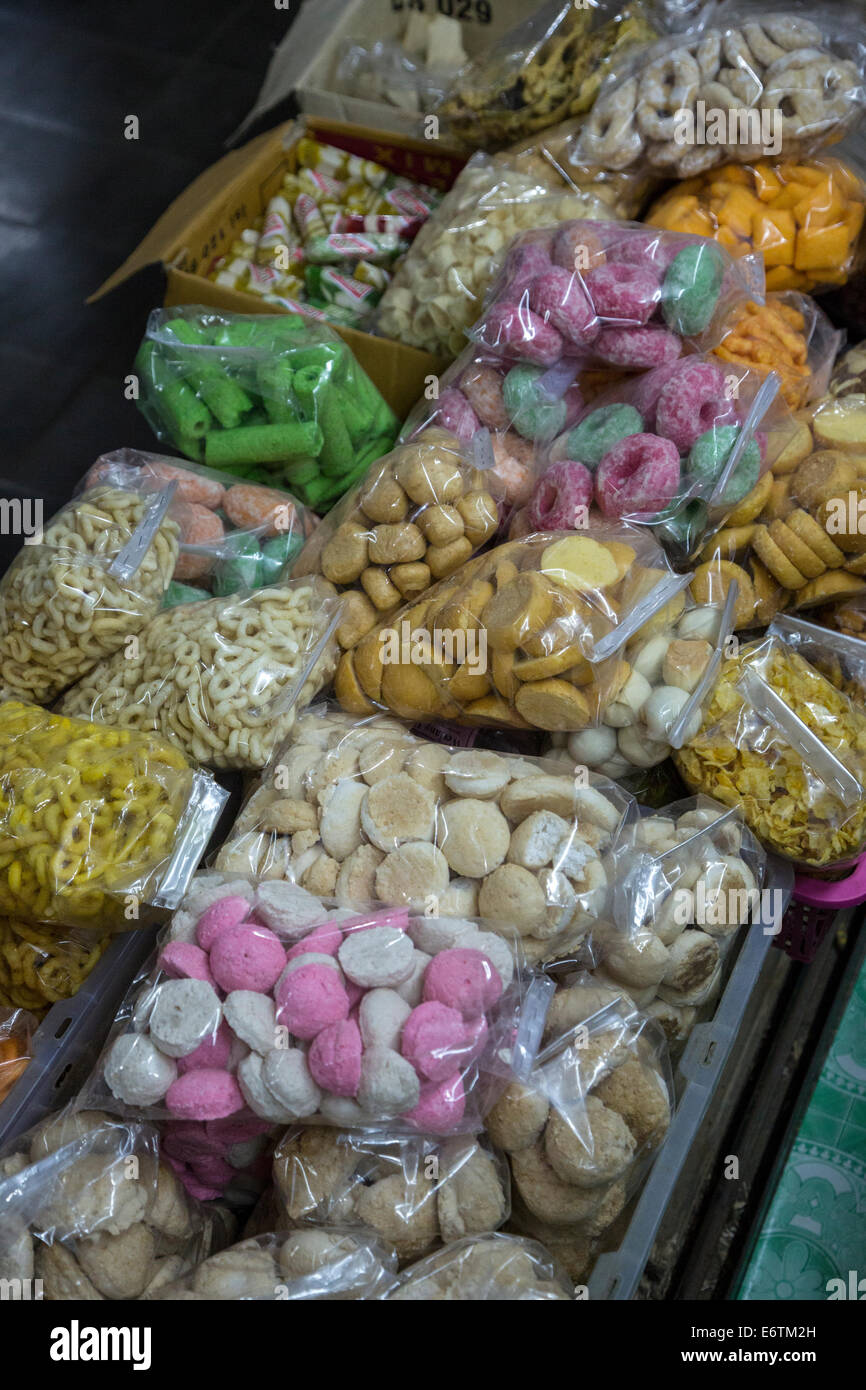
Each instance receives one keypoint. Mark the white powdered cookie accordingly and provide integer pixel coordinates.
(473, 835)
(397, 810)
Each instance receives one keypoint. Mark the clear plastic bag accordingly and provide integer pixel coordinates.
(97, 572)
(413, 1193)
(528, 635)
(746, 84)
(89, 1207)
(839, 657)
(95, 821)
(271, 397)
(418, 514)
(439, 287)
(805, 217)
(780, 742)
(17, 1027)
(335, 1264)
(233, 535)
(789, 335)
(546, 68)
(39, 965)
(337, 1020)
(519, 845)
(611, 293)
(582, 1129)
(221, 678)
(495, 1268)
(384, 71)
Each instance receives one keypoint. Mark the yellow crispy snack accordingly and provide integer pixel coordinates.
(742, 760)
(39, 966)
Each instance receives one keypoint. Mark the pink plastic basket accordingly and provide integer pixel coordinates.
(813, 910)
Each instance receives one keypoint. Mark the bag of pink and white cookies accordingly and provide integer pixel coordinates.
(265, 1007)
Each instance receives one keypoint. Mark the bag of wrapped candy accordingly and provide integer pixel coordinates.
(366, 812)
(418, 514)
(781, 742)
(339, 1264)
(612, 294)
(748, 84)
(221, 678)
(267, 1007)
(546, 68)
(493, 1268)
(95, 821)
(233, 535)
(414, 1192)
(90, 1206)
(526, 636)
(582, 1129)
(274, 398)
(804, 216)
(84, 584)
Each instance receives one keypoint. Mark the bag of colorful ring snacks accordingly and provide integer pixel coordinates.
(793, 86)
(90, 1206)
(297, 1011)
(581, 1130)
(274, 398)
(526, 636)
(364, 812)
(95, 822)
(222, 678)
(414, 1192)
(83, 585)
(339, 1264)
(417, 515)
(493, 1268)
(668, 673)
(233, 535)
(782, 743)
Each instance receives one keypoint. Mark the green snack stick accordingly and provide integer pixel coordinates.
(262, 443)
(357, 414)
(337, 454)
(242, 571)
(185, 415)
(321, 490)
(274, 378)
(382, 444)
(301, 470)
(322, 356)
(238, 332)
(291, 323)
(182, 593)
(227, 400)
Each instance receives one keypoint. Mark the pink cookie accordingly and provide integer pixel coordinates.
(474, 1041)
(638, 347)
(644, 391)
(456, 414)
(691, 402)
(560, 298)
(219, 917)
(334, 1058)
(204, 1094)
(325, 940)
(639, 474)
(463, 979)
(441, 1106)
(213, 1052)
(199, 1190)
(310, 998)
(213, 1170)
(516, 330)
(183, 960)
(624, 293)
(648, 248)
(559, 497)
(247, 957)
(431, 1034)
(523, 265)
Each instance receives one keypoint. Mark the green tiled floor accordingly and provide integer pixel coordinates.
(815, 1228)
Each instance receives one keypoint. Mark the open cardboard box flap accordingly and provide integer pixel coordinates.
(200, 225)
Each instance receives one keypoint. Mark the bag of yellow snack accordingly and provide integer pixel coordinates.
(782, 743)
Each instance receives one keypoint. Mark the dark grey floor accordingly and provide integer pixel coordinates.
(76, 197)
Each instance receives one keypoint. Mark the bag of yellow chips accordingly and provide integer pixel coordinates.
(780, 741)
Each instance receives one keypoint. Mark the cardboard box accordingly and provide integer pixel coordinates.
(201, 224)
(308, 58)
